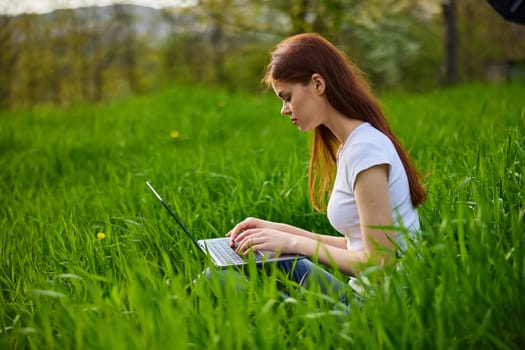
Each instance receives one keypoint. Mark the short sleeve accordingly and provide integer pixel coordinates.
(362, 156)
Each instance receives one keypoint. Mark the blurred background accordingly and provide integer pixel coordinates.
(62, 52)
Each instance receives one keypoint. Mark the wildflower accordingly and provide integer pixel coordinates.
(101, 235)
(174, 134)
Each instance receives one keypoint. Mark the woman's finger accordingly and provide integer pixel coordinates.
(245, 234)
(252, 243)
(238, 229)
(247, 239)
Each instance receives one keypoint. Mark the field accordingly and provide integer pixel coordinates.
(90, 260)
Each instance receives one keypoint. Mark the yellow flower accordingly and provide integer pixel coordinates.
(101, 235)
(174, 134)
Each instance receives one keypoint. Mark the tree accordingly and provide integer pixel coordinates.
(9, 54)
(505, 39)
(29, 67)
(451, 41)
(216, 12)
(126, 44)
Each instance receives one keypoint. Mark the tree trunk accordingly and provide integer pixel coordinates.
(8, 60)
(451, 41)
(217, 41)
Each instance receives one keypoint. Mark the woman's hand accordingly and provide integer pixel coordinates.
(265, 239)
(248, 224)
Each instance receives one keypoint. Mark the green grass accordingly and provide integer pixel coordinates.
(67, 174)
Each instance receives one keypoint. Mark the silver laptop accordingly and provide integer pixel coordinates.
(219, 249)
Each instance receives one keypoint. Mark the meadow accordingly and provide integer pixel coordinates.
(90, 260)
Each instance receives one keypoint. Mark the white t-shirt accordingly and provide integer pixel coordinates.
(364, 148)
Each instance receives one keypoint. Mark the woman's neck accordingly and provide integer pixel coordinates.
(342, 126)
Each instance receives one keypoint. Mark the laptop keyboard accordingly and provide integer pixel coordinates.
(227, 255)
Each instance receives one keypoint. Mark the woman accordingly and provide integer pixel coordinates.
(375, 187)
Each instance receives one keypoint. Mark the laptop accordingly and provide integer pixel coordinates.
(219, 250)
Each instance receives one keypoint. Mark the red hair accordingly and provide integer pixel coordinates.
(295, 60)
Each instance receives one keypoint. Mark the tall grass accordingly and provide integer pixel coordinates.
(69, 174)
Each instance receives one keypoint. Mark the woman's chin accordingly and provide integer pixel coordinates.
(304, 128)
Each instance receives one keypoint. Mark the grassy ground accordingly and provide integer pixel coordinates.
(68, 175)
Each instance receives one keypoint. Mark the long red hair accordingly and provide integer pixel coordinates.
(294, 60)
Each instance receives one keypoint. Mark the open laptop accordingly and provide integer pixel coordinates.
(219, 250)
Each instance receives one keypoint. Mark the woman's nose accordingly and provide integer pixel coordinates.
(285, 110)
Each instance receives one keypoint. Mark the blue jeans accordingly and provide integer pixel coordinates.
(308, 274)
(302, 271)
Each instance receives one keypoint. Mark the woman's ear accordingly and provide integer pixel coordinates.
(319, 83)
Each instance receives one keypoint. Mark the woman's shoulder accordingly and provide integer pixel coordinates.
(367, 136)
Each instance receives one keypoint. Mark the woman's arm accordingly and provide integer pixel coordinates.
(325, 239)
(371, 193)
(254, 223)
(373, 203)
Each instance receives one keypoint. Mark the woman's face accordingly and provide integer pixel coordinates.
(302, 103)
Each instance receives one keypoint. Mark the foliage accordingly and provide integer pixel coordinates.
(106, 53)
(481, 27)
(91, 260)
